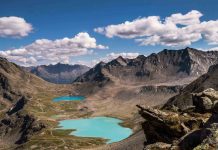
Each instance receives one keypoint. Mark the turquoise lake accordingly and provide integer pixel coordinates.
(68, 98)
(102, 127)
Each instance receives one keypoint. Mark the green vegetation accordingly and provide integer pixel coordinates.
(56, 138)
(49, 112)
(2, 106)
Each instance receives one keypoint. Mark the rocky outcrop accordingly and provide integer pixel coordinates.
(59, 73)
(19, 105)
(17, 125)
(161, 89)
(183, 129)
(95, 74)
(185, 97)
(202, 102)
(205, 101)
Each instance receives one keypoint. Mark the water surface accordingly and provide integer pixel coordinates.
(101, 127)
(68, 98)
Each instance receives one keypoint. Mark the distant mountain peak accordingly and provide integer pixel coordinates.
(167, 65)
(141, 57)
(59, 73)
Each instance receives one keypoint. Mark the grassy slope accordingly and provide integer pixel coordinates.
(40, 94)
(111, 101)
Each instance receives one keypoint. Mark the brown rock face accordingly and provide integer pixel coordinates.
(19, 127)
(171, 130)
(16, 124)
(183, 130)
(206, 83)
(161, 126)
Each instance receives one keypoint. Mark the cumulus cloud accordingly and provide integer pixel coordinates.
(112, 56)
(208, 49)
(44, 51)
(192, 17)
(175, 30)
(14, 27)
(108, 58)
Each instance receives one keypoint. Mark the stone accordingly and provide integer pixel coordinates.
(207, 103)
(158, 145)
(210, 93)
(202, 103)
(215, 106)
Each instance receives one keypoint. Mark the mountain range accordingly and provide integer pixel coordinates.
(166, 80)
(58, 73)
(167, 66)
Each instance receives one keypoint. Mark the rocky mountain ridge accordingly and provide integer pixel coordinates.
(58, 73)
(164, 67)
(185, 98)
(16, 125)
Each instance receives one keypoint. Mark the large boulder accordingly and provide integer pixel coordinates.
(165, 126)
(206, 101)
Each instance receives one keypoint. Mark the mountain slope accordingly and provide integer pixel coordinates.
(167, 66)
(59, 73)
(16, 124)
(27, 112)
(184, 99)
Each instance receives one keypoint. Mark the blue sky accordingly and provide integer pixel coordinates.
(55, 19)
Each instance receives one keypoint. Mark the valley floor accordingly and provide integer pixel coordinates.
(113, 100)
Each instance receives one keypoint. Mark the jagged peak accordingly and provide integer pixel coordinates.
(141, 57)
(120, 58)
(118, 61)
(3, 59)
(99, 65)
(188, 49)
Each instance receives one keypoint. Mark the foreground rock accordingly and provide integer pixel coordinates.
(182, 129)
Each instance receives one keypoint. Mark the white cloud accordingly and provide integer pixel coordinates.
(192, 17)
(14, 27)
(213, 49)
(175, 30)
(112, 56)
(209, 49)
(44, 51)
(108, 57)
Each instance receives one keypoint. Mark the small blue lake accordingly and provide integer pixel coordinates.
(68, 98)
(101, 127)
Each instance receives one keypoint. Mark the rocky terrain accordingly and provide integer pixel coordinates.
(58, 73)
(185, 98)
(16, 124)
(176, 113)
(123, 83)
(187, 121)
(27, 110)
